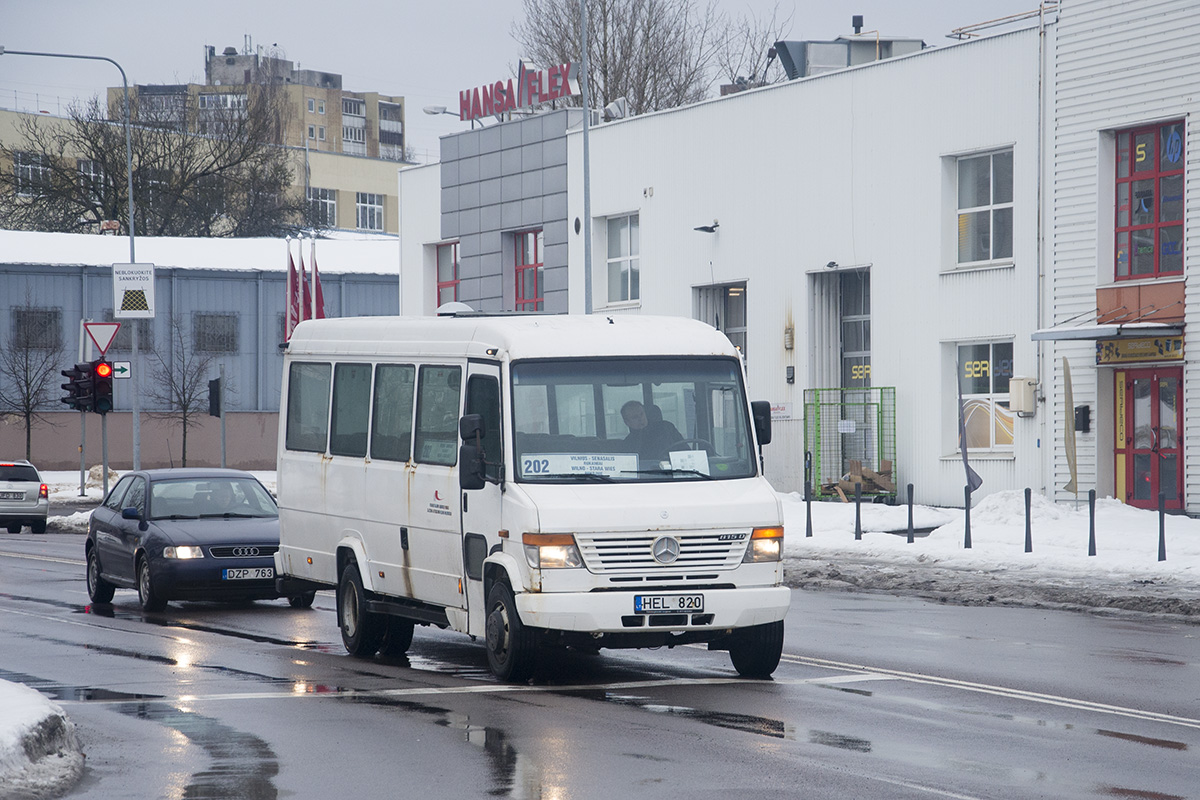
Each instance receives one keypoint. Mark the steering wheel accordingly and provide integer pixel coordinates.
(694, 444)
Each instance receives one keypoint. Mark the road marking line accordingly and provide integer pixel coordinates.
(33, 557)
(1000, 691)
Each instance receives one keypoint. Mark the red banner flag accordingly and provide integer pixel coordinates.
(318, 296)
(293, 299)
(304, 292)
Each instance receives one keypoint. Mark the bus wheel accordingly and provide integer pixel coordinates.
(511, 647)
(362, 631)
(397, 636)
(755, 651)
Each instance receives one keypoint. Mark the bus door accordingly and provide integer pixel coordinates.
(480, 508)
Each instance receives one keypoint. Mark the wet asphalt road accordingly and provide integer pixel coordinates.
(877, 697)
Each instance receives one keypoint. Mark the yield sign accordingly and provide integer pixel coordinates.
(102, 333)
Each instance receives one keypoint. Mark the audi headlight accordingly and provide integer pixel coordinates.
(183, 551)
(766, 544)
(551, 551)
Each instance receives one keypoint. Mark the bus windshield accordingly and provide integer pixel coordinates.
(630, 419)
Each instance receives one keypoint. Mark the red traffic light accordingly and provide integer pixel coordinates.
(103, 369)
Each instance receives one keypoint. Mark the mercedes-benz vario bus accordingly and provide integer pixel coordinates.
(533, 480)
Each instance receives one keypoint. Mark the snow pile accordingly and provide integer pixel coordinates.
(40, 755)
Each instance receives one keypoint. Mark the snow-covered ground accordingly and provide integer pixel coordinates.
(38, 747)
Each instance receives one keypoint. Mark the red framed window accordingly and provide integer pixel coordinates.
(447, 273)
(529, 270)
(1149, 228)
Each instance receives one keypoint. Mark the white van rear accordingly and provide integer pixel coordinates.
(535, 480)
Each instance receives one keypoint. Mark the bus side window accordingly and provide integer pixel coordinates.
(308, 407)
(483, 398)
(391, 420)
(438, 393)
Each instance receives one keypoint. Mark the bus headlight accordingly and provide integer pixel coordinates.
(551, 551)
(766, 544)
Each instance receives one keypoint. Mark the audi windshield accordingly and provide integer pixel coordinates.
(210, 497)
(602, 420)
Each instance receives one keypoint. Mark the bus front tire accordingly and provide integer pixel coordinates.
(362, 631)
(511, 647)
(756, 651)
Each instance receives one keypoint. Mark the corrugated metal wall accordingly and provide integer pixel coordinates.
(1117, 65)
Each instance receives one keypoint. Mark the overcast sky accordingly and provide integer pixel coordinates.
(423, 51)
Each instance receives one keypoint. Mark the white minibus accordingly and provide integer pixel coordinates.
(535, 480)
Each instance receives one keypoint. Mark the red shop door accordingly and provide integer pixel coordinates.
(1153, 426)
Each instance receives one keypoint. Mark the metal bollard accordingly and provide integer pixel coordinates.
(1028, 522)
(1091, 522)
(910, 524)
(967, 517)
(807, 509)
(858, 512)
(1162, 526)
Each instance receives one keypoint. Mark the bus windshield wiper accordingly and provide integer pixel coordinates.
(669, 471)
(589, 477)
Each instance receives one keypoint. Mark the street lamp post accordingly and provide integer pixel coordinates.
(132, 259)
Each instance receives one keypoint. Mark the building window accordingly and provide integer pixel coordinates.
(312, 105)
(984, 371)
(322, 206)
(215, 333)
(370, 211)
(1150, 201)
(321, 132)
(91, 179)
(357, 135)
(222, 100)
(724, 307)
(123, 341)
(856, 328)
(353, 108)
(985, 207)
(529, 270)
(312, 131)
(32, 173)
(623, 251)
(37, 328)
(320, 106)
(447, 273)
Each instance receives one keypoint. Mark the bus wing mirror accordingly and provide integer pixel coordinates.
(471, 472)
(470, 427)
(761, 411)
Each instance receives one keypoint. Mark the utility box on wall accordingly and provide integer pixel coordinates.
(1022, 396)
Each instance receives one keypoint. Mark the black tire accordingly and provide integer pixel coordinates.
(303, 600)
(14, 528)
(38, 526)
(148, 594)
(755, 651)
(99, 590)
(362, 631)
(397, 636)
(511, 647)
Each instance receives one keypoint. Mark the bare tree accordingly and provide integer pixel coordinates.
(744, 56)
(179, 380)
(655, 53)
(30, 362)
(212, 171)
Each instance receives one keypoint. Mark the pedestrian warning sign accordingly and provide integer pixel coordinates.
(133, 291)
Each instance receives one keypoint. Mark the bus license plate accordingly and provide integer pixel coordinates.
(668, 603)
(248, 574)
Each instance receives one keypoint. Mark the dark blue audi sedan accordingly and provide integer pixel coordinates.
(186, 534)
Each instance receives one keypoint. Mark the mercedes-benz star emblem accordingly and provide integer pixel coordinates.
(242, 552)
(665, 549)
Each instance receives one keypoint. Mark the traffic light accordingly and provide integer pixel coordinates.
(79, 389)
(102, 386)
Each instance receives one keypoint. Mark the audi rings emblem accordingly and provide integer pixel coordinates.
(243, 552)
(665, 549)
